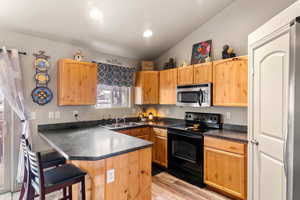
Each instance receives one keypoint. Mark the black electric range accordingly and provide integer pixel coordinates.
(185, 146)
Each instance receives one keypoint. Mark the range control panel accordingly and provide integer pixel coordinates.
(210, 119)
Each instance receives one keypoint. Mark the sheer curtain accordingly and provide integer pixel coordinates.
(12, 90)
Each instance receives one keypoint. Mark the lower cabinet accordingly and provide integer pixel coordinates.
(160, 147)
(158, 136)
(225, 166)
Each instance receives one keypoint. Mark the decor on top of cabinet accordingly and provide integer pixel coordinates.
(228, 52)
(184, 64)
(147, 65)
(41, 94)
(201, 51)
(78, 56)
(170, 64)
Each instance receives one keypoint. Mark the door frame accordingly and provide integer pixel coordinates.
(251, 73)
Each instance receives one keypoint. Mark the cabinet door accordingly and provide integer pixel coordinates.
(160, 150)
(230, 82)
(77, 82)
(146, 87)
(167, 86)
(203, 73)
(225, 171)
(186, 75)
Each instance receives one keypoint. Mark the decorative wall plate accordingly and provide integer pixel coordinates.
(42, 95)
(41, 64)
(42, 78)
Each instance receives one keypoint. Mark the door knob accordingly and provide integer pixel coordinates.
(254, 141)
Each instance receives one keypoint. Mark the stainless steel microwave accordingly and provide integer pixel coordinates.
(194, 95)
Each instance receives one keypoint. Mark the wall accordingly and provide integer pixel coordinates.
(56, 50)
(231, 26)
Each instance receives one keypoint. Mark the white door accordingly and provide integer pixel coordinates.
(268, 118)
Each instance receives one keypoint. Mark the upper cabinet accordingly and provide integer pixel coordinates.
(77, 82)
(230, 82)
(146, 87)
(186, 75)
(167, 86)
(203, 73)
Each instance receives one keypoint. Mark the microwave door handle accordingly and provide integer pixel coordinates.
(200, 97)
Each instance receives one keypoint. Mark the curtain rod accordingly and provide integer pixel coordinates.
(9, 51)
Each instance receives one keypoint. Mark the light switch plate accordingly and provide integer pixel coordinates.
(228, 115)
(57, 115)
(110, 176)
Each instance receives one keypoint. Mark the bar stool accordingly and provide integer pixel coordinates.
(45, 182)
(49, 159)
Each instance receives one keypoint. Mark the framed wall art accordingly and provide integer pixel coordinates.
(201, 51)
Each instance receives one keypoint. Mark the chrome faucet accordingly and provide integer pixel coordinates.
(116, 120)
(124, 119)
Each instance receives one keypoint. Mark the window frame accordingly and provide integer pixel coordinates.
(112, 105)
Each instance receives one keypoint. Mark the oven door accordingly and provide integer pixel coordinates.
(188, 98)
(185, 156)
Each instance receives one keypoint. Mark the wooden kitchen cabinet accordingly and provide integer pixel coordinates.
(158, 136)
(146, 87)
(160, 147)
(142, 133)
(203, 73)
(225, 166)
(132, 177)
(77, 82)
(186, 75)
(230, 82)
(167, 86)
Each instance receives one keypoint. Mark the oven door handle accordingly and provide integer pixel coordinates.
(184, 135)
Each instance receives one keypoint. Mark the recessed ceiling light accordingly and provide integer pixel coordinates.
(96, 14)
(148, 33)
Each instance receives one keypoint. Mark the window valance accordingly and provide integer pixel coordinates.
(115, 75)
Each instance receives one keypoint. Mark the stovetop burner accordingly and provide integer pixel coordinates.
(200, 122)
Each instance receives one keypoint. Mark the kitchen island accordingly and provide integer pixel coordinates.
(118, 166)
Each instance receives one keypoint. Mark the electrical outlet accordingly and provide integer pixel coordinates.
(228, 115)
(57, 115)
(110, 174)
(33, 115)
(75, 112)
(51, 115)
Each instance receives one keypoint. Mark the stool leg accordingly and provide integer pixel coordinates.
(83, 189)
(24, 184)
(30, 193)
(64, 193)
(70, 192)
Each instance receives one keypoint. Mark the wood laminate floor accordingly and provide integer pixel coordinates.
(167, 187)
(164, 187)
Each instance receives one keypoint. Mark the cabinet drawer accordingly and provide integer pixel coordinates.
(225, 145)
(160, 132)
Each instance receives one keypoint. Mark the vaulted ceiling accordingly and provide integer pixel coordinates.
(111, 26)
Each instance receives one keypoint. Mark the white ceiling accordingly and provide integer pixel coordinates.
(120, 32)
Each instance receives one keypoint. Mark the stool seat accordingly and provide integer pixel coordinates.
(62, 174)
(51, 159)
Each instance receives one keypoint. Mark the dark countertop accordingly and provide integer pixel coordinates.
(94, 143)
(228, 135)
